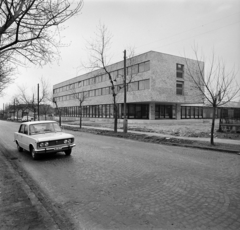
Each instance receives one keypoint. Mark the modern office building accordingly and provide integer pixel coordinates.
(158, 86)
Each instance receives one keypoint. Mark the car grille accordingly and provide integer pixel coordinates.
(56, 142)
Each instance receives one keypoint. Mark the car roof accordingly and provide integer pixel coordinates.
(37, 122)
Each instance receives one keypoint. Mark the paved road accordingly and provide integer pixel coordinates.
(111, 183)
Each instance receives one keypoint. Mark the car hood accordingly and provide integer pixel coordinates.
(51, 136)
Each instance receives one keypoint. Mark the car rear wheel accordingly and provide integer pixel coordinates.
(33, 154)
(68, 152)
(20, 149)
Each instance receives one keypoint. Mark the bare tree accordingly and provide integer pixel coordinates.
(30, 100)
(6, 72)
(45, 109)
(59, 110)
(16, 107)
(80, 97)
(100, 59)
(217, 85)
(30, 28)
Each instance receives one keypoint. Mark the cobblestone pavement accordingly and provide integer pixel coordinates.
(19, 208)
(113, 183)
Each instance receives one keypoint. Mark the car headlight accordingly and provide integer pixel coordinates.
(65, 141)
(43, 144)
(69, 141)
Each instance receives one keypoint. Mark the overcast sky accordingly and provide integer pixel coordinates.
(167, 26)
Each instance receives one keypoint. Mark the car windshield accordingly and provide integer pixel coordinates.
(44, 128)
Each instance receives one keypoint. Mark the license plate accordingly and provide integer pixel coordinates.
(58, 148)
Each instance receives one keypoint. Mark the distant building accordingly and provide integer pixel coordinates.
(159, 86)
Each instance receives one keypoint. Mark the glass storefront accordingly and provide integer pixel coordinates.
(165, 111)
(191, 112)
(134, 111)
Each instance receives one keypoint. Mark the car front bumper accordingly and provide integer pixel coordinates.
(54, 149)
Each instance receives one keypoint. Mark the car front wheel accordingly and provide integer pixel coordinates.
(68, 152)
(33, 154)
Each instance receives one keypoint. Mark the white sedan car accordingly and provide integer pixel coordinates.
(42, 137)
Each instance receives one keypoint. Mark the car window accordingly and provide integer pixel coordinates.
(57, 127)
(44, 128)
(21, 129)
(32, 130)
(25, 130)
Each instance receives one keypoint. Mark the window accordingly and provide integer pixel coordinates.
(120, 88)
(180, 70)
(72, 86)
(144, 84)
(236, 113)
(92, 80)
(129, 70)
(21, 130)
(25, 130)
(120, 72)
(98, 92)
(135, 69)
(180, 67)
(147, 65)
(105, 91)
(114, 75)
(100, 111)
(133, 86)
(105, 77)
(179, 87)
(86, 82)
(141, 67)
(111, 112)
(98, 79)
(91, 93)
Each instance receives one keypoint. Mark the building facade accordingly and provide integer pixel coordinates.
(157, 86)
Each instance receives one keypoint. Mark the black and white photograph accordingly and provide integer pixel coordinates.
(119, 115)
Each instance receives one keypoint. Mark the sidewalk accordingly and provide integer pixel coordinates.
(217, 140)
(19, 207)
(235, 143)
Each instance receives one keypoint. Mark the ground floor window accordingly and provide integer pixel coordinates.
(165, 111)
(134, 111)
(191, 112)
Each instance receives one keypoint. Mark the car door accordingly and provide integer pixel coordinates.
(25, 138)
(20, 135)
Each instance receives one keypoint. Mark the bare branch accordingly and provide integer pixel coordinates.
(28, 27)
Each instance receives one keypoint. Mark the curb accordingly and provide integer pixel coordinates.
(163, 142)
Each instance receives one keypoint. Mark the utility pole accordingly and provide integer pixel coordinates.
(14, 109)
(38, 101)
(3, 110)
(125, 95)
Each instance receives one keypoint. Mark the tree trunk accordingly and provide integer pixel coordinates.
(60, 118)
(213, 125)
(80, 122)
